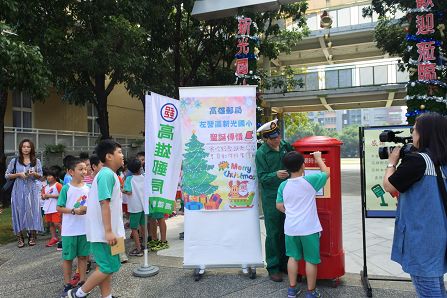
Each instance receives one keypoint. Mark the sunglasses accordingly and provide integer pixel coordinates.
(411, 130)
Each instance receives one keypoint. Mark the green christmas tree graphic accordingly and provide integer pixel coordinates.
(196, 179)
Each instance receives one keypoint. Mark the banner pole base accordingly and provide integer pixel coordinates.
(146, 270)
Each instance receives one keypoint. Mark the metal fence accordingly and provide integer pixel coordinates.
(74, 141)
(349, 76)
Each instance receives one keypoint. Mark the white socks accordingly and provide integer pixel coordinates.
(80, 293)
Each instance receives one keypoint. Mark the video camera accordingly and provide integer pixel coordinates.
(391, 136)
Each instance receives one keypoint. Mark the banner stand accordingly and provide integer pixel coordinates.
(146, 270)
(219, 180)
(247, 269)
(364, 273)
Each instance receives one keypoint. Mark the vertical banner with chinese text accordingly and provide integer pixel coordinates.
(219, 183)
(163, 152)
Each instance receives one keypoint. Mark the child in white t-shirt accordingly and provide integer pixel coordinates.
(134, 189)
(40, 185)
(296, 198)
(72, 204)
(104, 220)
(50, 195)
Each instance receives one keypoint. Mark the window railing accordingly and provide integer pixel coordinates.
(72, 140)
(349, 76)
(346, 16)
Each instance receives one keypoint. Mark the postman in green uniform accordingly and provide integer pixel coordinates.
(271, 172)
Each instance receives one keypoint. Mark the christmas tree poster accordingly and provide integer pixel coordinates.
(219, 183)
(219, 146)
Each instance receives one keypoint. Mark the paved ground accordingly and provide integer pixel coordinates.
(36, 271)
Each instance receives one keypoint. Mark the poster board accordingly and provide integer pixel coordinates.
(378, 202)
(325, 191)
(219, 182)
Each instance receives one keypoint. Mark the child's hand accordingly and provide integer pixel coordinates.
(282, 174)
(83, 209)
(79, 211)
(317, 155)
(111, 238)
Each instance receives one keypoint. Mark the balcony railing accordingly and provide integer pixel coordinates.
(73, 141)
(349, 76)
(347, 16)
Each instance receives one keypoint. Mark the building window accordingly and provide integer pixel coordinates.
(344, 17)
(312, 22)
(331, 78)
(345, 78)
(380, 75)
(312, 81)
(341, 78)
(366, 76)
(22, 112)
(92, 115)
(402, 76)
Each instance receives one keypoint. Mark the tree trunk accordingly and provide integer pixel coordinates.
(177, 40)
(101, 106)
(4, 198)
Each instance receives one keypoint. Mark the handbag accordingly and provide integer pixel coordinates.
(442, 190)
(7, 187)
(441, 187)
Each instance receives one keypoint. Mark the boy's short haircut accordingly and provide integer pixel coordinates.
(293, 161)
(134, 166)
(73, 163)
(106, 147)
(141, 153)
(67, 160)
(83, 156)
(94, 160)
(53, 171)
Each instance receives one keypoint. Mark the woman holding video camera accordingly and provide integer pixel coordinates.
(25, 169)
(420, 234)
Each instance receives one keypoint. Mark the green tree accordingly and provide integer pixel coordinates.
(294, 122)
(197, 179)
(203, 52)
(22, 69)
(401, 38)
(89, 46)
(350, 138)
(307, 130)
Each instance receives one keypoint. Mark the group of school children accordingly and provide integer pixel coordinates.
(86, 209)
(90, 203)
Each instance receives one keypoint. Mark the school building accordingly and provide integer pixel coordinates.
(341, 67)
(54, 121)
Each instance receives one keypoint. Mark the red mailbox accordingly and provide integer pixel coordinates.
(332, 264)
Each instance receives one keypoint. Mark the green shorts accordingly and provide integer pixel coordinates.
(136, 219)
(106, 263)
(75, 246)
(157, 215)
(307, 247)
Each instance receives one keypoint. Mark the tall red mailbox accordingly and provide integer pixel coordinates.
(332, 264)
